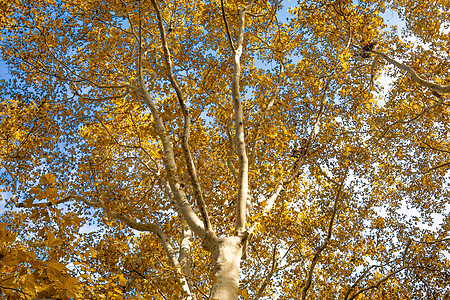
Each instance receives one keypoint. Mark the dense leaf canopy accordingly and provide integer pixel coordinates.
(135, 134)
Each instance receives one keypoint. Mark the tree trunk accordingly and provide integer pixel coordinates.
(227, 257)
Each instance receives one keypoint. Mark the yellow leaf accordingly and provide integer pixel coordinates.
(51, 241)
(51, 178)
(35, 190)
(93, 253)
(243, 293)
(52, 192)
(57, 266)
(29, 286)
(122, 279)
(10, 260)
(5, 234)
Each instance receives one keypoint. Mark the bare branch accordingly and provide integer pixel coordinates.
(13, 289)
(405, 252)
(437, 167)
(145, 164)
(42, 204)
(169, 159)
(185, 257)
(372, 68)
(123, 95)
(436, 149)
(256, 15)
(433, 242)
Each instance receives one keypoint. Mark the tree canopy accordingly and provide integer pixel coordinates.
(225, 149)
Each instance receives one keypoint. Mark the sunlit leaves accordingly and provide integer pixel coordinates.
(26, 274)
(73, 122)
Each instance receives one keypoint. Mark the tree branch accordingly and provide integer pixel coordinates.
(141, 227)
(233, 48)
(311, 137)
(364, 274)
(436, 149)
(231, 150)
(377, 284)
(325, 243)
(186, 128)
(372, 68)
(14, 289)
(425, 110)
(128, 87)
(169, 162)
(433, 242)
(437, 167)
(265, 115)
(280, 186)
(241, 203)
(269, 275)
(69, 70)
(438, 88)
(185, 258)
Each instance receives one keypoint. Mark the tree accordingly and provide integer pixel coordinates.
(219, 150)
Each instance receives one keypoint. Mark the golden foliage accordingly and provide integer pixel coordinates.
(361, 211)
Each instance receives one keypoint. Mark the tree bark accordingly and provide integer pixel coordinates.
(227, 254)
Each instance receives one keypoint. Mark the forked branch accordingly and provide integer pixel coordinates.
(377, 283)
(169, 162)
(187, 121)
(424, 111)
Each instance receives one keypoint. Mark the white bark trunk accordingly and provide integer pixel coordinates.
(227, 257)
